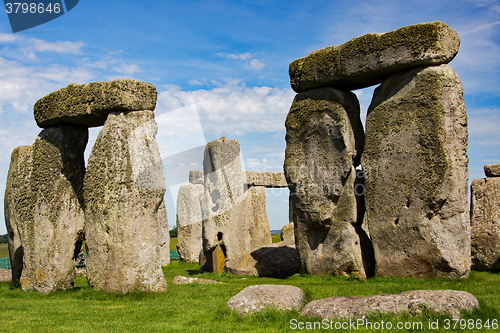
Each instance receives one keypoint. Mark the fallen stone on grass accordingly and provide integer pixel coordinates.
(450, 302)
(261, 297)
(186, 280)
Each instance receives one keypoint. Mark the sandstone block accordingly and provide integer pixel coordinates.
(492, 170)
(90, 104)
(415, 160)
(258, 298)
(17, 205)
(485, 247)
(196, 177)
(414, 302)
(324, 137)
(278, 259)
(369, 59)
(163, 235)
(266, 179)
(288, 233)
(187, 280)
(189, 222)
(53, 233)
(233, 218)
(485, 201)
(123, 189)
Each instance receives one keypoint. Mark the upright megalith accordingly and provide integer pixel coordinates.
(324, 142)
(89, 104)
(123, 190)
(18, 206)
(234, 218)
(415, 160)
(54, 232)
(163, 235)
(485, 194)
(371, 58)
(189, 219)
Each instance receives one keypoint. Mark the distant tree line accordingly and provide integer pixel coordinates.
(173, 232)
(4, 239)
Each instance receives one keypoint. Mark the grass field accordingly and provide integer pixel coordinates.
(4, 250)
(202, 308)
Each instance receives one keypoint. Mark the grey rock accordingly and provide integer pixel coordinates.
(324, 137)
(189, 222)
(90, 104)
(196, 177)
(415, 160)
(5, 275)
(187, 280)
(288, 233)
(414, 302)
(258, 298)
(17, 205)
(163, 235)
(485, 201)
(266, 178)
(485, 247)
(233, 218)
(54, 231)
(492, 170)
(371, 58)
(123, 189)
(278, 259)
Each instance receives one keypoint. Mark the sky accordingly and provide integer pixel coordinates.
(221, 69)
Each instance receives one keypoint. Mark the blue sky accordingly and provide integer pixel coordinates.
(221, 69)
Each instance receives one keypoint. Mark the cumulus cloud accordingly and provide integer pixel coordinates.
(254, 64)
(126, 69)
(238, 56)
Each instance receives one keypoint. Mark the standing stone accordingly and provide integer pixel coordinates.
(324, 137)
(53, 235)
(485, 247)
(189, 222)
(415, 160)
(124, 188)
(287, 233)
(234, 219)
(163, 235)
(369, 59)
(485, 201)
(18, 206)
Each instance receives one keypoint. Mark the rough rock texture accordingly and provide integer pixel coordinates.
(196, 177)
(324, 135)
(261, 297)
(485, 201)
(492, 170)
(450, 302)
(288, 233)
(189, 222)
(233, 218)
(279, 259)
(415, 160)
(17, 205)
(53, 236)
(89, 104)
(124, 188)
(371, 58)
(5, 275)
(215, 260)
(485, 247)
(186, 280)
(163, 235)
(266, 179)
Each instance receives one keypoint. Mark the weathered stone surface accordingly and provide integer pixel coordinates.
(54, 233)
(415, 160)
(17, 205)
(5, 275)
(189, 222)
(196, 177)
(450, 302)
(124, 188)
(266, 179)
(492, 170)
(371, 58)
(278, 259)
(187, 280)
(215, 260)
(233, 218)
(288, 233)
(324, 136)
(485, 247)
(90, 104)
(485, 201)
(163, 235)
(261, 297)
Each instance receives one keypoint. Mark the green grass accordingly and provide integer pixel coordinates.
(202, 308)
(4, 250)
(276, 238)
(173, 243)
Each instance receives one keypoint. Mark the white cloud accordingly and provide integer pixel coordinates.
(126, 69)
(238, 56)
(58, 47)
(256, 64)
(264, 164)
